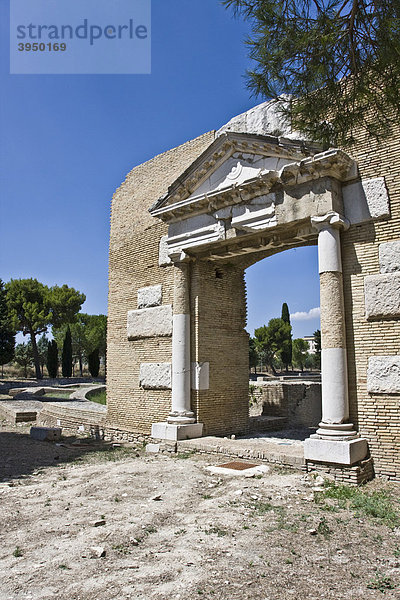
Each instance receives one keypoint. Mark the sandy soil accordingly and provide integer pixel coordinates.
(172, 530)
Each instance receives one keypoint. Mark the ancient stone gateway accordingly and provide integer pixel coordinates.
(186, 225)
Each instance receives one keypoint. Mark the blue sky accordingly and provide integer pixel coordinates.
(67, 141)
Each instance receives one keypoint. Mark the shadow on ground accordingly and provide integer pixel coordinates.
(300, 434)
(20, 456)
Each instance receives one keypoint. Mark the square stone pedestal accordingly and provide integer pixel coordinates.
(166, 431)
(334, 451)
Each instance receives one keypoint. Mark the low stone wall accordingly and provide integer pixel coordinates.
(298, 402)
(355, 475)
(65, 382)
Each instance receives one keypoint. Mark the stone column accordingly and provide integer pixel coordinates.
(180, 410)
(334, 426)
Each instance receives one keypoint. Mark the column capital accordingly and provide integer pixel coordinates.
(330, 219)
(180, 257)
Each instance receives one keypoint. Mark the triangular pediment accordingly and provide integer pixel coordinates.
(230, 161)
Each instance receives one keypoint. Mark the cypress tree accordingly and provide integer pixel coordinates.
(52, 359)
(286, 353)
(7, 333)
(94, 363)
(66, 364)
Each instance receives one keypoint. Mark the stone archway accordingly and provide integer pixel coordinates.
(245, 197)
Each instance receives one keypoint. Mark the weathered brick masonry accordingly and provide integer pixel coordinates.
(218, 302)
(133, 264)
(377, 416)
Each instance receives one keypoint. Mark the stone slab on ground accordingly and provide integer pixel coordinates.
(280, 451)
(251, 472)
(49, 434)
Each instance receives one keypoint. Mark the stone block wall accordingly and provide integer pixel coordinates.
(371, 263)
(137, 285)
(298, 402)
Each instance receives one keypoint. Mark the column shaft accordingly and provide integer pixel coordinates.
(180, 410)
(335, 400)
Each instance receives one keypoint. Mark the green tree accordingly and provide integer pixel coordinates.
(66, 358)
(23, 356)
(286, 353)
(88, 332)
(300, 353)
(96, 334)
(7, 333)
(33, 307)
(94, 363)
(42, 344)
(52, 359)
(341, 56)
(78, 338)
(253, 355)
(317, 339)
(270, 340)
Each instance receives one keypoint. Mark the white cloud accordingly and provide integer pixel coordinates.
(313, 313)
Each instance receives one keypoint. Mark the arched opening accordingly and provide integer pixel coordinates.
(284, 361)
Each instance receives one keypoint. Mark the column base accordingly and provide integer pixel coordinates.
(181, 418)
(176, 432)
(336, 431)
(341, 452)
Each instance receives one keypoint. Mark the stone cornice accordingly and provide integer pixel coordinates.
(219, 151)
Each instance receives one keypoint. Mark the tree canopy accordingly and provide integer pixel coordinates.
(7, 333)
(24, 356)
(88, 333)
(339, 59)
(300, 352)
(33, 307)
(271, 339)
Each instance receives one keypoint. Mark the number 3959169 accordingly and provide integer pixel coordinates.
(42, 47)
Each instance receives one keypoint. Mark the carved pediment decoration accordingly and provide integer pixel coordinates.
(238, 167)
(244, 185)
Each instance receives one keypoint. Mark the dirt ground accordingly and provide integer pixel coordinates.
(170, 529)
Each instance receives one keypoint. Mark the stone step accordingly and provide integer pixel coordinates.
(283, 452)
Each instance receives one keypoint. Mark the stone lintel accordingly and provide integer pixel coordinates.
(382, 296)
(383, 376)
(335, 452)
(149, 322)
(167, 431)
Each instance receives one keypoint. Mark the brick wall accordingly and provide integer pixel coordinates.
(133, 264)
(218, 309)
(376, 416)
